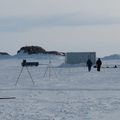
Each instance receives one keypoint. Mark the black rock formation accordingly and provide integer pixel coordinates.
(36, 50)
(32, 50)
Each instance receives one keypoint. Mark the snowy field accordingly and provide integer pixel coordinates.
(60, 93)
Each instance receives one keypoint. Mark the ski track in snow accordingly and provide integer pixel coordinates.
(71, 93)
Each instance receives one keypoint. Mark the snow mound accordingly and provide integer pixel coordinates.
(111, 57)
(72, 65)
(38, 56)
(5, 56)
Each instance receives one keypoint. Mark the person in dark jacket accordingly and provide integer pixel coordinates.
(89, 64)
(98, 64)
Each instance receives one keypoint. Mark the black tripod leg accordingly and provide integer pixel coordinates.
(30, 76)
(19, 76)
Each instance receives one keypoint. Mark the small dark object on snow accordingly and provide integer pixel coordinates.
(115, 66)
(7, 97)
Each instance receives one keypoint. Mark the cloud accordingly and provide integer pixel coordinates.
(20, 24)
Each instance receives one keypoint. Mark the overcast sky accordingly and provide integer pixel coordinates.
(62, 25)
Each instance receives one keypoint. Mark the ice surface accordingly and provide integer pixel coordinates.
(59, 93)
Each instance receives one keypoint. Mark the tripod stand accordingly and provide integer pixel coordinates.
(49, 69)
(28, 74)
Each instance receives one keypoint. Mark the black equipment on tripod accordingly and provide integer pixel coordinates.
(25, 63)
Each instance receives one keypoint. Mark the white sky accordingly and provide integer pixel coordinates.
(62, 25)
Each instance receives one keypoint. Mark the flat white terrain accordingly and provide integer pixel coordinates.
(60, 92)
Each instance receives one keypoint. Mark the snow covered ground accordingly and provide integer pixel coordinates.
(59, 93)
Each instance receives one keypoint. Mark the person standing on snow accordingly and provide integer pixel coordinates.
(98, 64)
(89, 64)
